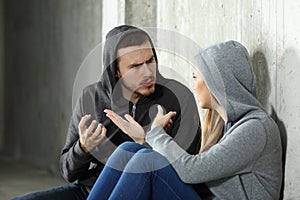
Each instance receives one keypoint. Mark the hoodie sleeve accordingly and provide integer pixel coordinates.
(74, 162)
(237, 152)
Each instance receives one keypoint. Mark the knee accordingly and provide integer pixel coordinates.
(153, 156)
(123, 154)
(130, 146)
(146, 160)
(147, 150)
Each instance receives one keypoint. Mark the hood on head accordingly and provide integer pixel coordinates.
(228, 73)
(113, 38)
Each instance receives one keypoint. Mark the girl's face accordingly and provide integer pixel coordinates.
(202, 92)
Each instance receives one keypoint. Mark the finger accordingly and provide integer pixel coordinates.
(82, 123)
(103, 131)
(111, 114)
(169, 122)
(102, 135)
(116, 119)
(89, 131)
(107, 111)
(168, 117)
(171, 114)
(166, 127)
(160, 110)
(131, 119)
(98, 130)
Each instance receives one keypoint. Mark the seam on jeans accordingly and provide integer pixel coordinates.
(145, 180)
(170, 188)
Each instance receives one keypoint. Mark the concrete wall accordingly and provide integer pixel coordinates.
(113, 14)
(49, 46)
(1, 74)
(141, 13)
(46, 41)
(270, 31)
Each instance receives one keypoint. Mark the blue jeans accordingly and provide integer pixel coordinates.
(135, 172)
(72, 192)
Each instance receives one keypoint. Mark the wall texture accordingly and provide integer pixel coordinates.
(141, 13)
(270, 31)
(46, 41)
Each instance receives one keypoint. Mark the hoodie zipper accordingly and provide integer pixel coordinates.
(133, 110)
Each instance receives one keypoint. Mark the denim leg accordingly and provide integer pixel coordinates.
(148, 175)
(66, 192)
(166, 184)
(113, 170)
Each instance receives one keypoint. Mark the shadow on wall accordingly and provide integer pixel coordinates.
(263, 83)
(288, 93)
(283, 135)
(263, 88)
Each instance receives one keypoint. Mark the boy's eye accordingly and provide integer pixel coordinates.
(151, 60)
(134, 66)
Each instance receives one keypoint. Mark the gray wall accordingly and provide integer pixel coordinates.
(46, 41)
(1, 75)
(141, 13)
(46, 45)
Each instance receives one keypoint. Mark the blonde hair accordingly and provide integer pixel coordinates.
(212, 129)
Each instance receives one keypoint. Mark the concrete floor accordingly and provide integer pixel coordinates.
(19, 178)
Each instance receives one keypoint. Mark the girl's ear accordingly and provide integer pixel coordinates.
(118, 74)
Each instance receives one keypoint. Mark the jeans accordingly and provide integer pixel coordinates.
(72, 192)
(135, 172)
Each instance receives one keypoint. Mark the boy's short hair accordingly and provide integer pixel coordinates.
(133, 39)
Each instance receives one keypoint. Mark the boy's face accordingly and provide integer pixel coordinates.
(137, 70)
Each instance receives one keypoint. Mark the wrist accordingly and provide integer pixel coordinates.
(140, 141)
(154, 126)
(83, 147)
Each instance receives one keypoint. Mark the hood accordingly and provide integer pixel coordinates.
(228, 73)
(113, 38)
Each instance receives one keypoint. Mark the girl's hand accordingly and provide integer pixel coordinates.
(127, 125)
(161, 119)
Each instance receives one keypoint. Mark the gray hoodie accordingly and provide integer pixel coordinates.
(246, 163)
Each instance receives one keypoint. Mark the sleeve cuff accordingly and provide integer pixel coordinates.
(151, 135)
(79, 152)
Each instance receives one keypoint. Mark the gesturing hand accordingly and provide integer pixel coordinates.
(161, 119)
(89, 139)
(128, 126)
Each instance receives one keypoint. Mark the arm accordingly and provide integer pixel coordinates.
(74, 161)
(234, 154)
(81, 140)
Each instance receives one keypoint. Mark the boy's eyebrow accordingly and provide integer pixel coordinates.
(151, 57)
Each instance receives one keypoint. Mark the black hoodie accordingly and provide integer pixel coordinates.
(84, 167)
